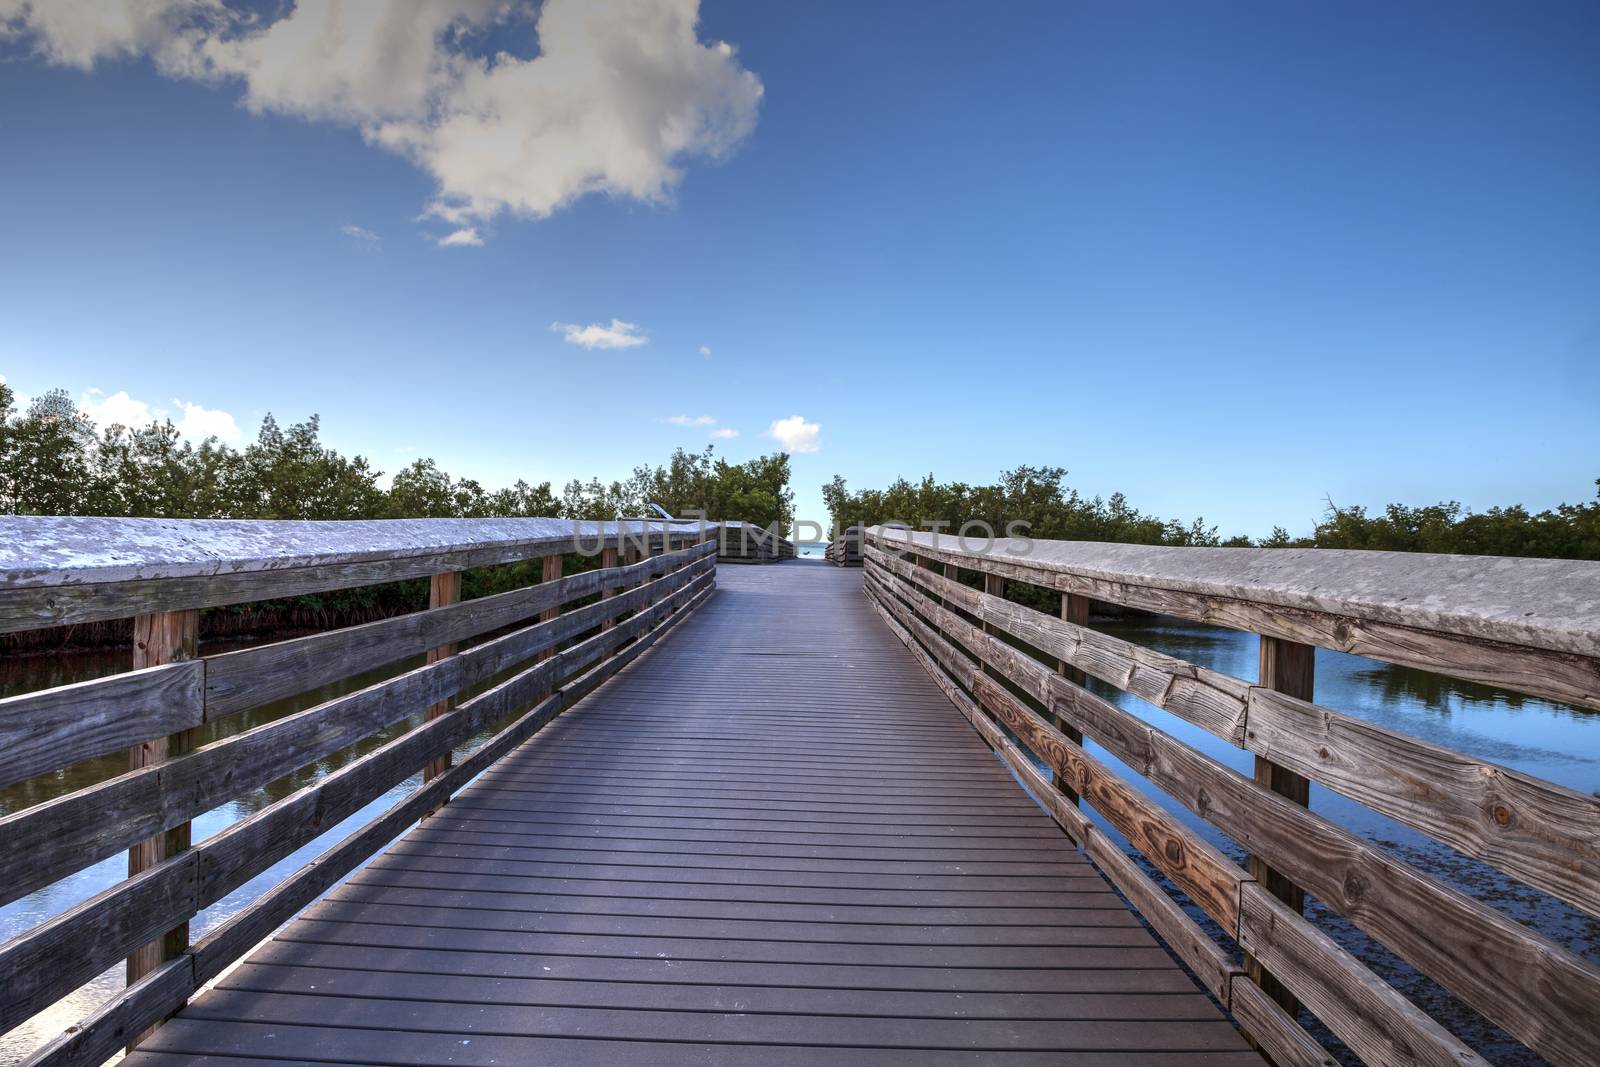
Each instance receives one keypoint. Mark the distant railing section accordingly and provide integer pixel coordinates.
(1019, 674)
(56, 570)
(845, 550)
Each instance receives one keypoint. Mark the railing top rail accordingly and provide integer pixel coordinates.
(1535, 603)
(64, 550)
(57, 570)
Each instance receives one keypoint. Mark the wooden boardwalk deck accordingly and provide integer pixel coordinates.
(770, 840)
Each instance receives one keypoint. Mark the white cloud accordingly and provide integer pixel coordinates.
(705, 350)
(363, 238)
(796, 435)
(192, 420)
(118, 409)
(619, 96)
(691, 420)
(465, 237)
(198, 423)
(597, 335)
(726, 431)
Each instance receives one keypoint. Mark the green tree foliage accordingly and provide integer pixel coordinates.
(55, 461)
(1039, 497)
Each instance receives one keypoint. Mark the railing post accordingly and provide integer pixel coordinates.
(608, 560)
(1287, 667)
(1074, 609)
(443, 590)
(162, 637)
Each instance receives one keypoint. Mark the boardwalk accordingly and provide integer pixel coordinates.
(770, 840)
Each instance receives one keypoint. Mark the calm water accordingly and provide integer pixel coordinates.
(1548, 740)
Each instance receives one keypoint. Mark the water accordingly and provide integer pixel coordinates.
(1554, 742)
(27, 673)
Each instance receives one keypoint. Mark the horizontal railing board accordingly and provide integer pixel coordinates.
(85, 939)
(1534, 988)
(116, 1023)
(1208, 962)
(236, 681)
(1542, 833)
(1210, 878)
(59, 570)
(62, 835)
(50, 729)
(1537, 603)
(1374, 1020)
(1519, 644)
(1259, 1016)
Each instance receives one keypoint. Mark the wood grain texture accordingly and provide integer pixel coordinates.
(1377, 1023)
(1209, 878)
(41, 966)
(167, 637)
(64, 834)
(443, 591)
(1537, 831)
(58, 570)
(1542, 638)
(1282, 1038)
(237, 681)
(1534, 988)
(51, 729)
(616, 971)
(116, 1023)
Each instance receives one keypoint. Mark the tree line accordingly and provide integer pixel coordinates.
(1055, 511)
(54, 460)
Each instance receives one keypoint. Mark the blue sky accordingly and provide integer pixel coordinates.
(1227, 258)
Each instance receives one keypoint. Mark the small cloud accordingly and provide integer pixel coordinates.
(118, 409)
(596, 335)
(405, 450)
(726, 431)
(796, 435)
(199, 423)
(466, 237)
(364, 240)
(705, 350)
(691, 420)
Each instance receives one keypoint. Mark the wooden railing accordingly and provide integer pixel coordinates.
(536, 661)
(1019, 674)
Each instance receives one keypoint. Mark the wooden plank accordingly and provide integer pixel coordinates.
(64, 834)
(1074, 612)
(78, 943)
(1457, 941)
(59, 570)
(168, 637)
(1014, 958)
(1211, 879)
(237, 681)
(1521, 624)
(443, 591)
(50, 729)
(608, 560)
(121, 1020)
(1539, 832)
(1289, 668)
(1283, 1040)
(1375, 1021)
(1215, 702)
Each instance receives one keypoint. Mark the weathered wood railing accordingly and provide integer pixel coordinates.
(61, 571)
(1532, 626)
